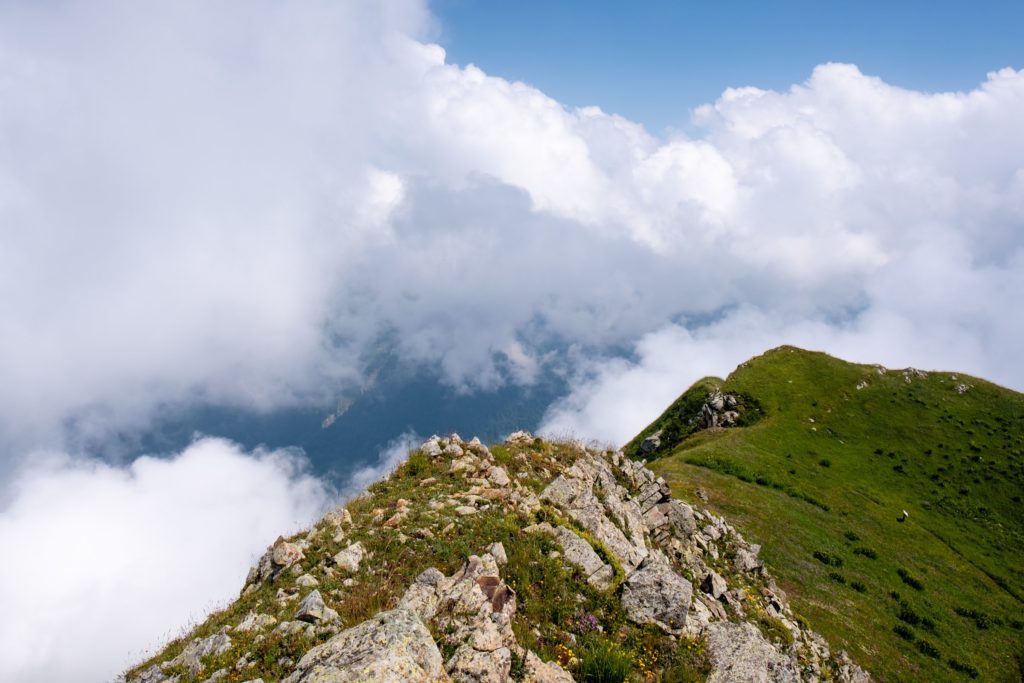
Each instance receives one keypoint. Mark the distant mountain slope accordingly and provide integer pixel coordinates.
(831, 456)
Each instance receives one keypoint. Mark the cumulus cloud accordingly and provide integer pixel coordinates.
(390, 457)
(235, 211)
(105, 562)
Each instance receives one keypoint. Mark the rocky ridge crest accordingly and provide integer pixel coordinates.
(658, 586)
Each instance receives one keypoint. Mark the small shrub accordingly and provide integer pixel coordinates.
(858, 586)
(963, 668)
(825, 462)
(927, 649)
(850, 536)
(903, 632)
(866, 552)
(828, 559)
(910, 580)
(907, 615)
(517, 672)
(837, 577)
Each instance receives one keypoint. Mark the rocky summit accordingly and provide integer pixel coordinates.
(526, 561)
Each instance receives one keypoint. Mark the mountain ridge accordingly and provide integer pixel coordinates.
(527, 561)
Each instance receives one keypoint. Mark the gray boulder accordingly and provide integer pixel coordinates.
(740, 654)
(655, 594)
(391, 647)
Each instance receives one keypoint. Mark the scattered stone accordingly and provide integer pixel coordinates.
(497, 551)
(465, 510)
(313, 610)
(714, 585)
(350, 557)
(498, 476)
(254, 621)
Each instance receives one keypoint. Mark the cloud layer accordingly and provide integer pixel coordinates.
(238, 210)
(105, 562)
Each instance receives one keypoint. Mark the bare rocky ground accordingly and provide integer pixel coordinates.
(527, 561)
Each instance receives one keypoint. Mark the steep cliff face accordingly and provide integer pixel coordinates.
(526, 561)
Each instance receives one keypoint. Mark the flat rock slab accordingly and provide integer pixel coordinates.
(740, 654)
(655, 594)
(391, 647)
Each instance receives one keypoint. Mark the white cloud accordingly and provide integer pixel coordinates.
(391, 456)
(103, 562)
(238, 209)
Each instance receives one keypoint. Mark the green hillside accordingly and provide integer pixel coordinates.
(825, 458)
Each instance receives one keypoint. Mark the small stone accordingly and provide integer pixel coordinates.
(313, 610)
(307, 581)
(497, 551)
(499, 476)
(465, 510)
(350, 557)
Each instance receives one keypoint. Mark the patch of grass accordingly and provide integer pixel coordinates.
(601, 660)
(973, 543)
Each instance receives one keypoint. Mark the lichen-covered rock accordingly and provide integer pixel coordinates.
(655, 594)
(312, 609)
(391, 647)
(740, 654)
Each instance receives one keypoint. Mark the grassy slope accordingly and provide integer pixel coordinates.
(954, 462)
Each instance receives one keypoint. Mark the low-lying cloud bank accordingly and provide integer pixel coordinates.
(103, 562)
(238, 211)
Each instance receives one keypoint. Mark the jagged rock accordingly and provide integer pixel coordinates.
(655, 594)
(651, 443)
(313, 610)
(579, 553)
(284, 554)
(497, 551)
(254, 621)
(714, 585)
(746, 559)
(349, 558)
(431, 447)
(740, 654)
(338, 517)
(154, 674)
(391, 647)
(498, 476)
(520, 438)
(193, 654)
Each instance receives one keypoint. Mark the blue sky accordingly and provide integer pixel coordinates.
(652, 61)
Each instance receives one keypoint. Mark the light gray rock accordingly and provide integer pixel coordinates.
(740, 654)
(497, 551)
(349, 558)
(391, 647)
(254, 621)
(538, 671)
(474, 666)
(193, 654)
(307, 581)
(431, 448)
(313, 610)
(655, 594)
(578, 552)
(714, 585)
(498, 476)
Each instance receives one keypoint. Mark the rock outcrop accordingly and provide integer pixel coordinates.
(326, 605)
